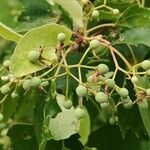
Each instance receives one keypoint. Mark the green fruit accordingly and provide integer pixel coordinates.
(5, 78)
(90, 78)
(33, 56)
(123, 92)
(115, 11)
(27, 84)
(103, 68)
(35, 81)
(148, 92)
(84, 2)
(110, 83)
(104, 105)
(1, 117)
(67, 104)
(61, 37)
(128, 105)
(95, 13)
(145, 64)
(81, 90)
(44, 83)
(116, 118)
(5, 89)
(14, 95)
(148, 72)
(79, 113)
(94, 44)
(125, 99)
(143, 104)
(101, 97)
(112, 120)
(134, 79)
(6, 63)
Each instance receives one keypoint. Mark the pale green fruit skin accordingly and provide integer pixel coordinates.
(128, 105)
(95, 13)
(148, 72)
(90, 78)
(112, 120)
(115, 11)
(1, 117)
(79, 113)
(145, 64)
(5, 89)
(84, 2)
(103, 68)
(27, 84)
(33, 56)
(35, 81)
(104, 105)
(134, 79)
(143, 104)
(5, 78)
(148, 92)
(61, 37)
(125, 100)
(14, 95)
(101, 97)
(81, 90)
(110, 83)
(67, 104)
(123, 92)
(44, 83)
(94, 44)
(6, 63)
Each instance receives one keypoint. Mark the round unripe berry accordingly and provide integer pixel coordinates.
(44, 83)
(81, 90)
(6, 63)
(90, 78)
(125, 100)
(115, 11)
(35, 81)
(148, 72)
(134, 79)
(1, 117)
(148, 92)
(104, 105)
(5, 78)
(128, 105)
(5, 89)
(14, 95)
(110, 83)
(67, 104)
(27, 84)
(123, 92)
(95, 13)
(112, 120)
(103, 68)
(145, 64)
(94, 44)
(101, 97)
(143, 104)
(84, 2)
(33, 56)
(61, 37)
(79, 113)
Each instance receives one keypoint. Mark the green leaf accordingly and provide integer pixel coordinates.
(74, 9)
(136, 23)
(8, 34)
(65, 123)
(45, 36)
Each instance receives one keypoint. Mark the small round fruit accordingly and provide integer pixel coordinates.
(125, 100)
(79, 113)
(81, 90)
(123, 92)
(143, 104)
(84, 2)
(94, 44)
(103, 68)
(104, 105)
(128, 105)
(112, 120)
(5, 78)
(134, 79)
(61, 37)
(5, 89)
(33, 56)
(90, 78)
(148, 92)
(14, 95)
(67, 104)
(101, 97)
(145, 64)
(6, 63)
(27, 84)
(110, 83)
(148, 72)
(95, 13)
(1, 117)
(35, 81)
(115, 11)
(44, 83)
